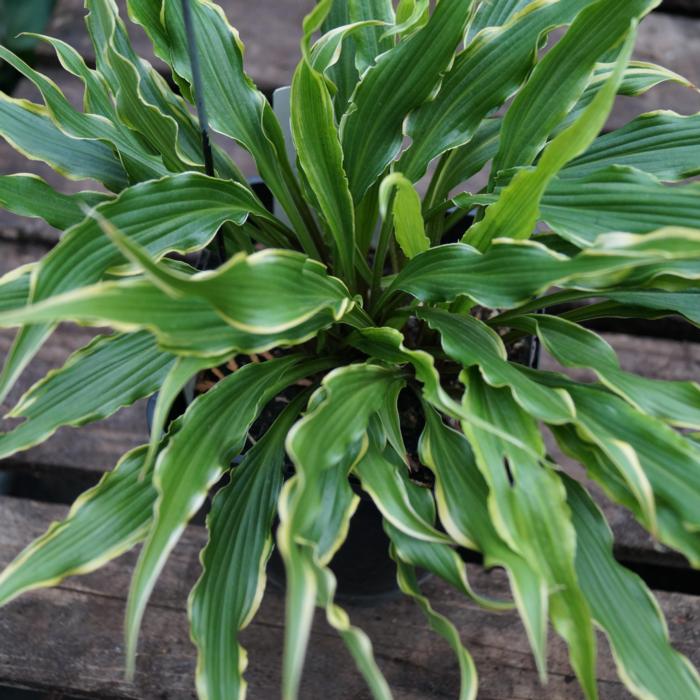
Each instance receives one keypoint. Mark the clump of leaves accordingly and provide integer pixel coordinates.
(379, 97)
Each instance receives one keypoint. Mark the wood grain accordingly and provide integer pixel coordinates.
(70, 638)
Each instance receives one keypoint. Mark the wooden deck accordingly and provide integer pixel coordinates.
(67, 642)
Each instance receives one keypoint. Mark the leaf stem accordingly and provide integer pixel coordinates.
(381, 252)
(434, 194)
(305, 227)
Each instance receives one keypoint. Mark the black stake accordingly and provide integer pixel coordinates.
(200, 106)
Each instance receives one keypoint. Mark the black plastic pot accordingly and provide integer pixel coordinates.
(362, 566)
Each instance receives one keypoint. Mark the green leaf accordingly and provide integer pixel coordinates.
(248, 289)
(611, 309)
(148, 16)
(316, 506)
(531, 515)
(409, 515)
(409, 553)
(372, 41)
(387, 345)
(308, 577)
(616, 199)
(559, 79)
(657, 480)
(516, 211)
(28, 128)
(348, 398)
(180, 213)
(511, 273)
(144, 101)
(390, 421)
(626, 610)
(481, 79)
(465, 161)
(675, 402)
(136, 85)
(159, 130)
(639, 78)
(103, 523)
(399, 81)
(686, 303)
(471, 342)
(236, 108)
(383, 481)
(664, 144)
(321, 156)
(14, 287)
(462, 497)
(409, 585)
(183, 370)
(96, 381)
(343, 72)
(409, 226)
(329, 48)
(668, 462)
(411, 15)
(98, 100)
(96, 97)
(183, 325)
(189, 466)
(228, 593)
(495, 13)
(138, 162)
(29, 195)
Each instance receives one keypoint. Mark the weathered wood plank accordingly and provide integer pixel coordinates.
(70, 638)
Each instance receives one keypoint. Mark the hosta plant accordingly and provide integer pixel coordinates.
(381, 278)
